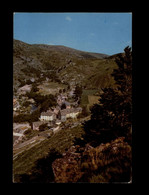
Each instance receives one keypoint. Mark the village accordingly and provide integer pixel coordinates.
(64, 114)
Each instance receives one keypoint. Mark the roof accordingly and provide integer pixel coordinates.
(70, 110)
(67, 103)
(63, 112)
(58, 121)
(25, 87)
(38, 123)
(49, 113)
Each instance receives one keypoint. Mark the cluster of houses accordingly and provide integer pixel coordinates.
(63, 111)
(70, 110)
(62, 115)
(56, 117)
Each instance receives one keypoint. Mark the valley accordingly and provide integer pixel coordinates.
(54, 88)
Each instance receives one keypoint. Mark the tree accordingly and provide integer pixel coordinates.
(78, 92)
(34, 88)
(111, 118)
(84, 112)
(68, 87)
(47, 102)
(63, 106)
(60, 91)
(43, 127)
(42, 172)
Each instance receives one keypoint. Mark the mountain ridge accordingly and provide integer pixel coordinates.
(69, 65)
(63, 48)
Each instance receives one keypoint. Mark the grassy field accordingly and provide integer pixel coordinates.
(89, 98)
(47, 88)
(92, 99)
(60, 141)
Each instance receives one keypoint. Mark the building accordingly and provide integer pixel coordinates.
(48, 116)
(63, 115)
(73, 112)
(20, 127)
(70, 113)
(35, 125)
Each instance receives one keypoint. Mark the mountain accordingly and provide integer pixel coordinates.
(68, 65)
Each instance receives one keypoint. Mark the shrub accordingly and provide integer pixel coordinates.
(28, 131)
(43, 127)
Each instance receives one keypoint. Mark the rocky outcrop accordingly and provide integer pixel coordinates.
(86, 162)
(65, 168)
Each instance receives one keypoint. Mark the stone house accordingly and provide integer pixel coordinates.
(70, 113)
(73, 113)
(47, 116)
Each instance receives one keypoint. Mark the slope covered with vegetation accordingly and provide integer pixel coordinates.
(61, 64)
(98, 151)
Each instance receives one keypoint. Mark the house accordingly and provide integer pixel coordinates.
(63, 114)
(35, 125)
(20, 127)
(74, 112)
(24, 89)
(70, 113)
(47, 116)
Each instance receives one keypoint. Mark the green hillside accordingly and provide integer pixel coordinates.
(61, 141)
(70, 66)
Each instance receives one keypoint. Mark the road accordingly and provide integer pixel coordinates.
(26, 145)
(19, 148)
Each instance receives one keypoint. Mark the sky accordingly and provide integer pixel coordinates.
(107, 33)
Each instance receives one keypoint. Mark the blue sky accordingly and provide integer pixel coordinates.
(107, 33)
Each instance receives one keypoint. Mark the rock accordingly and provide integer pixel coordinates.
(65, 168)
(78, 161)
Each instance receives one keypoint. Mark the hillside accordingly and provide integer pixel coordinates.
(69, 66)
(93, 146)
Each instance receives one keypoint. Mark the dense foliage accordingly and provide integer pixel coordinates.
(34, 116)
(111, 118)
(78, 92)
(42, 171)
